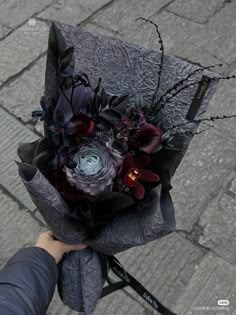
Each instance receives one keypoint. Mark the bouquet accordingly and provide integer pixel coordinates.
(117, 120)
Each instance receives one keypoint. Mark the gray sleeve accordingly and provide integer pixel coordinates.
(27, 282)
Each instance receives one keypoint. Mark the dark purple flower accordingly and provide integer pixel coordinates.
(72, 101)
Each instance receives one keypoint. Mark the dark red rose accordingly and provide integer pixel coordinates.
(133, 171)
(149, 138)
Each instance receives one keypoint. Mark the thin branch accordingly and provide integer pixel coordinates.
(212, 118)
(172, 148)
(193, 133)
(162, 53)
(192, 84)
(176, 85)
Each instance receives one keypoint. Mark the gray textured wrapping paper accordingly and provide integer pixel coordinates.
(124, 68)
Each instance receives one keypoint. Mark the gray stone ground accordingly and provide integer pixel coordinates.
(195, 267)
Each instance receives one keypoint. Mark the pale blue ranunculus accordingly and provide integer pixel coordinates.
(96, 168)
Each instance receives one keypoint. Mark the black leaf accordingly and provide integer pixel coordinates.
(86, 78)
(67, 82)
(37, 114)
(115, 112)
(43, 103)
(67, 62)
(109, 117)
(94, 106)
(113, 98)
(57, 43)
(118, 100)
(104, 98)
(97, 88)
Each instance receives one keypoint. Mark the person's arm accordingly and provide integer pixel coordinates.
(28, 280)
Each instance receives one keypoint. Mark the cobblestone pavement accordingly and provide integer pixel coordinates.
(189, 270)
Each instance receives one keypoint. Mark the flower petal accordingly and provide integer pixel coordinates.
(91, 127)
(149, 138)
(127, 164)
(149, 176)
(139, 191)
(141, 161)
(95, 168)
(82, 95)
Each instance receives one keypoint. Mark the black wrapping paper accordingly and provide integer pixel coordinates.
(124, 69)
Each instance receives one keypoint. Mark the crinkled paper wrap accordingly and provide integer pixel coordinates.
(124, 68)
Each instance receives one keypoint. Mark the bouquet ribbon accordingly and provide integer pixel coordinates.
(128, 280)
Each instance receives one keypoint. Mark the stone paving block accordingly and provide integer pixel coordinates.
(22, 96)
(232, 187)
(12, 133)
(209, 159)
(181, 38)
(15, 12)
(214, 280)
(213, 205)
(17, 228)
(57, 308)
(121, 14)
(94, 28)
(38, 216)
(218, 37)
(165, 267)
(196, 10)
(4, 30)
(219, 227)
(72, 11)
(21, 48)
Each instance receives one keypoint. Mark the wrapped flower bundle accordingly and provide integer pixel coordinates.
(118, 120)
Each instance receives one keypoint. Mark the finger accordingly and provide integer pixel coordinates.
(68, 248)
(48, 234)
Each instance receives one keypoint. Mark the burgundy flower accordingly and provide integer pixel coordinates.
(81, 125)
(148, 138)
(133, 171)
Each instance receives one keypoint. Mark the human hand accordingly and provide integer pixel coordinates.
(55, 248)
